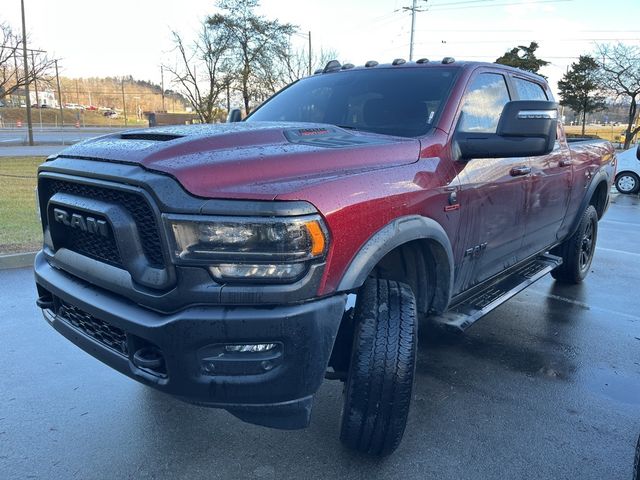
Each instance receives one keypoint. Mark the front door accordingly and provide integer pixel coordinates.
(492, 195)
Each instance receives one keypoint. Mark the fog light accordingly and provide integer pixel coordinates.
(255, 348)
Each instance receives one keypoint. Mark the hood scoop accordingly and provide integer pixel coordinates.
(150, 136)
(329, 137)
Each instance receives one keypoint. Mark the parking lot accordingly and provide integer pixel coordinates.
(545, 387)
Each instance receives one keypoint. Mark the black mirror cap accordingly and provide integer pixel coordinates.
(530, 118)
(470, 146)
(527, 128)
(235, 115)
(638, 152)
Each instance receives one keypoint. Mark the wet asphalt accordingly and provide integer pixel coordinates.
(545, 387)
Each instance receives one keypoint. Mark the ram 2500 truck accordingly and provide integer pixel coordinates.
(237, 265)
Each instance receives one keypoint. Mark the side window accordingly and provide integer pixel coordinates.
(483, 104)
(529, 90)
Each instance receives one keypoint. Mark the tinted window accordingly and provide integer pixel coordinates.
(393, 101)
(483, 104)
(529, 90)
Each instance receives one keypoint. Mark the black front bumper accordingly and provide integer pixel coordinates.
(273, 388)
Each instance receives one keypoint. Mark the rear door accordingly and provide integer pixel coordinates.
(492, 195)
(549, 190)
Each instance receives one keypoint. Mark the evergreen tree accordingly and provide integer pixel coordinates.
(579, 86)
(524, 58)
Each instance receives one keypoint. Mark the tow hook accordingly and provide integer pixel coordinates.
(149, 358)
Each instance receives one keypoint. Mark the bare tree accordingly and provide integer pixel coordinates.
(201, 71)
(13, 76)
(296, 65)
(255, 45)
(620, 76)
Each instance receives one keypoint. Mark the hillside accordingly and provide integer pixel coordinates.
(107, 92)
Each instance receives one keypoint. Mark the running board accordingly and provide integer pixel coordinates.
(464, 314)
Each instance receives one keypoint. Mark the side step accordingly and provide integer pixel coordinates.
(464, 314)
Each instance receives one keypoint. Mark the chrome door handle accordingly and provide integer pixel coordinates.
(566, 162)
(519, 171)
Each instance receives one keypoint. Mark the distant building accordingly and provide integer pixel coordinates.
(47, 99)
(17, 98)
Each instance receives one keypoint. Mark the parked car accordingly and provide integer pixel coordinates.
(91, 108)
(238, 265)
(628, 171)
(110, 114)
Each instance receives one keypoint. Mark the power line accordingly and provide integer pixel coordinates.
(538, 2)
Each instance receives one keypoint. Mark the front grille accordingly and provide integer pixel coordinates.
(105, 249)
(108, 335)
(92, 245)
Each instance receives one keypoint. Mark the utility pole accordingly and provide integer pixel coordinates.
(414, 9)
(162, 85)
(35, 85)
(26, 73)
(124, 104)
(310, 51)
(60, 102)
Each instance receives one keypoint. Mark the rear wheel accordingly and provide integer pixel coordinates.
(577, 251)
(380, 380)
(627, 182)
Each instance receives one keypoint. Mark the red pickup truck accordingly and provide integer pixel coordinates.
(238, 265)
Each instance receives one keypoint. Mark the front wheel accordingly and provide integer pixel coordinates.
(380, 380)
(627, 183)
(577, 251)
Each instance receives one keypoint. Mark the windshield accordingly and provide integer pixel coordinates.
(404, 102)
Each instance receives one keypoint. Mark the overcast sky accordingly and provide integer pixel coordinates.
(132, 37)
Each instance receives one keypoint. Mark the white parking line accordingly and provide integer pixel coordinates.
(624, 252)
(11, 140)
(631, 224)
(586, 306)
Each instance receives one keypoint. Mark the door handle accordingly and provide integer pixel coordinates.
(566, 162)
(519, 171)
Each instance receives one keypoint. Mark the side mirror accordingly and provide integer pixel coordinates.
(235, 115)
(527, 128)
(638, 152)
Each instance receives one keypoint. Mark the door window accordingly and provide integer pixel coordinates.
(483, 104)
(529, 90)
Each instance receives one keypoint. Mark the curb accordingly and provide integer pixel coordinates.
(17, 260)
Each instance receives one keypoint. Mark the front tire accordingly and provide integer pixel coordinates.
(627, 183)
(380, 380)
(577, 251)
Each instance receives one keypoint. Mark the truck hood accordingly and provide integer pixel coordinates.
(249, 159)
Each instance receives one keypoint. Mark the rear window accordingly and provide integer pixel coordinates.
(393, 101)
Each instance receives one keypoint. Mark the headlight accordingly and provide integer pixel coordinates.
(248, 248)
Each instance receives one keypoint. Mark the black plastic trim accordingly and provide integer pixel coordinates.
(279, 397)
(403, 230)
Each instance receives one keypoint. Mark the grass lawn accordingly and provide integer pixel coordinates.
(20, 229)
(607, 132)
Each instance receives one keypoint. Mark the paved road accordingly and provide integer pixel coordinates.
(546, 387)
(50, 135)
